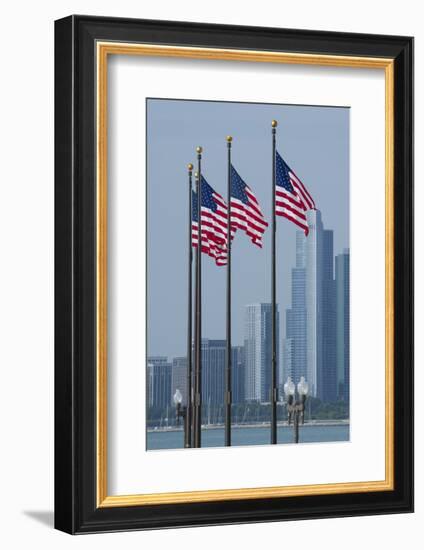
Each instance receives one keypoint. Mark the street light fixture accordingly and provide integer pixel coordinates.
(289, 388)
(303, 386)
(181, 412)
(296, 407)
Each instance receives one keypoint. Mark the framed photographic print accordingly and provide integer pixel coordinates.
(234, 271)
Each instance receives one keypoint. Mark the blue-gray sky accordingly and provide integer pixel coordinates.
(314, 141)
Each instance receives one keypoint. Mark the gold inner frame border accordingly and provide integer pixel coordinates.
(103, 50)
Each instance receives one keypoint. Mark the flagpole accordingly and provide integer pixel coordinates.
(228, 354)
(273, 303)
(198, 312)
(189, 404)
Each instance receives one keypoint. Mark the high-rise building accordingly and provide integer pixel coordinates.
(310, 342)
(294, 345)
(213, 371)
(287, 359)
(320, 309)
(258, 350)
(314, 270)
(238, 375)
(342, 323)
(179, 377)
(327, 372)
(158, 381)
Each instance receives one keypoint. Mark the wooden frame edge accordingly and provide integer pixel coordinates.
(101, 269)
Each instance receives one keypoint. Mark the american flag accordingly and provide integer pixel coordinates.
(214, 223)
(292, 199)
(246, 213)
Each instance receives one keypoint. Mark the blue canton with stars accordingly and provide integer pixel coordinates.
(238, 187)
(207, 196)
(207, 199)
(282, 174)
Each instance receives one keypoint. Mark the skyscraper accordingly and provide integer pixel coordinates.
(213, 371)
(158, 382)
(327, 375)
(257, 349)
(310, 342)
(294, 345)
(342, 323)
(314, 270)
(320, 307)
(238, 374)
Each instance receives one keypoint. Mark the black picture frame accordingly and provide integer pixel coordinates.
(76, 510)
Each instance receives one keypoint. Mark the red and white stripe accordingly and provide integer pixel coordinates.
(294, 206)
(214, 231)
(248, 217)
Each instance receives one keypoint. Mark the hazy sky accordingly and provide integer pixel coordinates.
(314, 141)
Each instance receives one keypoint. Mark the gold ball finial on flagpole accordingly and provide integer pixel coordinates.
(199, 149)
(190, 166)
(274, 124)
(229, 139)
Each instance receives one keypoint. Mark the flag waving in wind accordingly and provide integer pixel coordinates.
(246, 213)
(292, 199)
(214, 223)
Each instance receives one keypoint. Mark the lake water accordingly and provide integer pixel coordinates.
(258, 435)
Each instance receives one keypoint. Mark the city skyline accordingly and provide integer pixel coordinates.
(315, 344)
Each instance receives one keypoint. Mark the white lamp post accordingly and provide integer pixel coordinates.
(289, 387)
(303, 386)
(178, 397)
(181, 413)
(296, 407)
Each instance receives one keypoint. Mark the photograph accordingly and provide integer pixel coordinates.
(257, 167)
